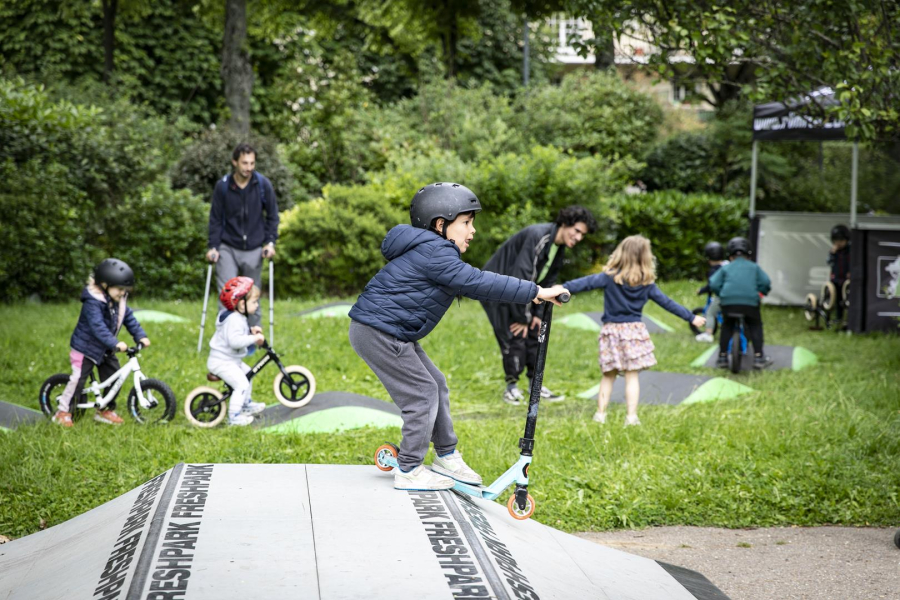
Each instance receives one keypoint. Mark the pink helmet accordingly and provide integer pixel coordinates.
(235, 289)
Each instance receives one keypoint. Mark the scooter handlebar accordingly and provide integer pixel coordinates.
(564, 297)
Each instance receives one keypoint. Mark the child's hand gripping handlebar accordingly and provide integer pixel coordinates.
(556, 294)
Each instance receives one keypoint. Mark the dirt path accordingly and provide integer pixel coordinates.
(821, 563)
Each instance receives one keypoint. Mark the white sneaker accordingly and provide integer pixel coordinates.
(240, 419)
(705, 337)
(513, 396)
(454, 466)
(632, 420)
(547, 395)
(420, 479)
(253, 408)
(599, 417)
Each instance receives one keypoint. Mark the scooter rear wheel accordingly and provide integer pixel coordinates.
(517, 513)
(382, 453)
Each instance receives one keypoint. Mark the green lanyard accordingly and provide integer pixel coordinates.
(550, 257)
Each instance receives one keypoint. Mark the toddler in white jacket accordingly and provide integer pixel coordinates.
(228, 347)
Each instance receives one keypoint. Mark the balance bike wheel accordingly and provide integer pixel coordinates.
(845, 294)
(829, 296)
(897, 538)
(382, 453)
(201, 409)
(298, 389)
(809, 309)
(155, 391)
(515, 512)
(52, 389)
(735, 354)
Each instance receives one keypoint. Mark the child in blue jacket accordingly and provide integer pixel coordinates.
(94, 343)
(403, 302)
(739, 284)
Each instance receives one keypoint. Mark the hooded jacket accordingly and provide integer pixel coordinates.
(232, 338)
(408, 297)
(740, 282)
(99, 324)
(524, 255)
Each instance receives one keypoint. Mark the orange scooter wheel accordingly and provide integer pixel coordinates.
(382, 453)
(517, 513)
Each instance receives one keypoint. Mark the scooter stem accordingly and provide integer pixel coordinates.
(526, 443)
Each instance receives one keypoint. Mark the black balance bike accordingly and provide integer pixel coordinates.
(294, 387)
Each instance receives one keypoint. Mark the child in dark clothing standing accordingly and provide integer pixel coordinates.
(715, 256)
(839, 261)
(628, 284)
(403, 302)
(739, 284)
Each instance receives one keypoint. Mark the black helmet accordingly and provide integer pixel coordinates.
(840, 232)
(738, 245)
(113, 271)
(445, 200)
(714, 251)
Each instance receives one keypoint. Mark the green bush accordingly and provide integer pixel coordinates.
(161, 234)
(679, 225)
(46, 248)
(332, 245)
(683, 162)
(208, 159)
(594, 113)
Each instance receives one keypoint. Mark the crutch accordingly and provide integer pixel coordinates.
(271, 303)
(205, 301)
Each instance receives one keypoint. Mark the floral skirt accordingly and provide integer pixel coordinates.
(625, 347)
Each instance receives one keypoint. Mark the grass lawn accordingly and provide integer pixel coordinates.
(819, 446)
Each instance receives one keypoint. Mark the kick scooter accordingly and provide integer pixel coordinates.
(520, 504)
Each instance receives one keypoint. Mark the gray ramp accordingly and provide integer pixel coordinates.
(279, 413)
(660, 387)
(782, 358)
(13, 415)
(219, 532)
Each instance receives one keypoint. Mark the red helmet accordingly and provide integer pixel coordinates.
(235, 289)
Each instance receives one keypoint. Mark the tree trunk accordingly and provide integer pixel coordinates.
(237, 74)
(109, 38)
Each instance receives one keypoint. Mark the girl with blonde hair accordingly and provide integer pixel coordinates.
(628, 283)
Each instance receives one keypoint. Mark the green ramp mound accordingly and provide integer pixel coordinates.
(333, 531)
(659, 387)
(783, 357)
(334, 309)
(13, 415)
(155, 316)
(329, 412)
(591, 321)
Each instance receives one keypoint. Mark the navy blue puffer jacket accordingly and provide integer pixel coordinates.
(98, 323)
(408, 297)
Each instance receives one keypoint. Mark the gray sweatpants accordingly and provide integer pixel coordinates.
(416, 386)
(233, 262)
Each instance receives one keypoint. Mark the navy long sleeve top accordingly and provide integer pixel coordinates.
(625, 303)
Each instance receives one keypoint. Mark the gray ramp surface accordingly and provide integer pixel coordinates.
(782, 358)
(318, 531)
(13, 415)
(659, 387)
(279, 413)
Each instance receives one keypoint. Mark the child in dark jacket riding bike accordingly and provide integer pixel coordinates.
(739, 284)
(403, 302)
(94, 343)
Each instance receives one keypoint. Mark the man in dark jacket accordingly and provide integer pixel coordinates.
(534, 254)
(243, 223)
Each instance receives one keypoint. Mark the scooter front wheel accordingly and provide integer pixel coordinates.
(382, 454)
(517, 513)
(297, 389)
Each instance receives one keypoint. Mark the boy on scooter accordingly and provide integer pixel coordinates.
(403, 302)
(739, 284)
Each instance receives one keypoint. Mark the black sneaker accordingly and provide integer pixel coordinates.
(722, 361)
(761, 362)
